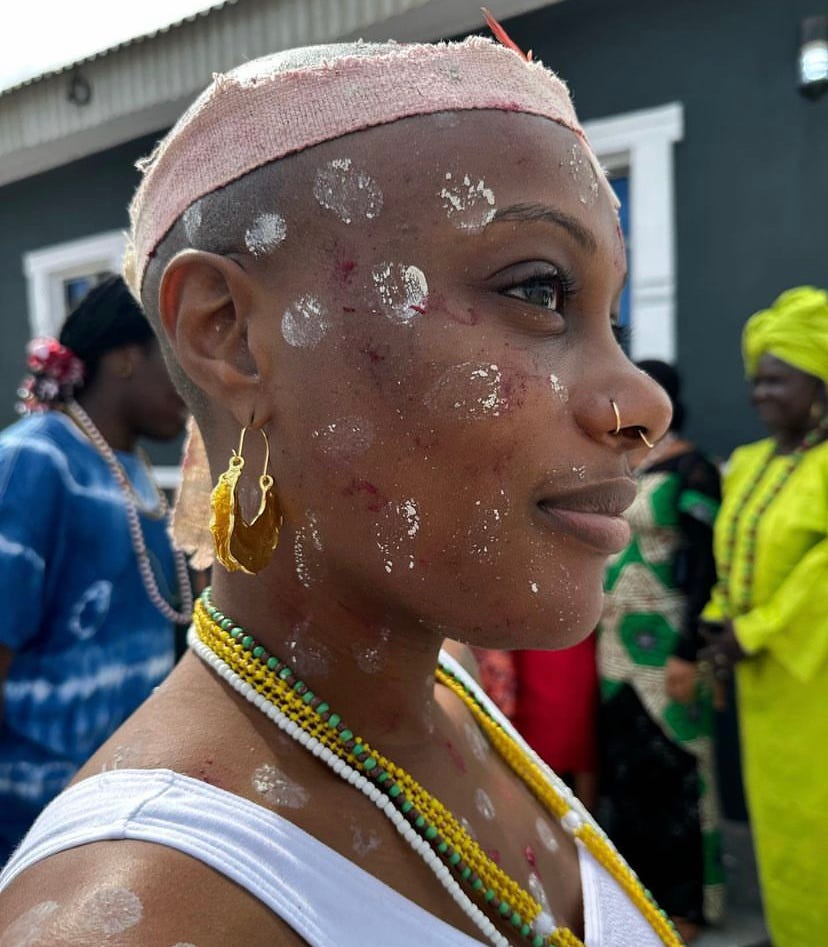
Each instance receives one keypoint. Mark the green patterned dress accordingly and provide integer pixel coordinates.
(658, 789)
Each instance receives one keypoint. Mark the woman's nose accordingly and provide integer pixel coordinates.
(627, 410)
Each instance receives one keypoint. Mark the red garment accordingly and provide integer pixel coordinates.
(552, 699)
(556, 705)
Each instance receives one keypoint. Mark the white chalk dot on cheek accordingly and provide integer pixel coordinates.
(469, 204)
(305, 322)
(112, 910)
(265, 234)
(26, 930)
(402, 290)
(560, 389)
(469, 391)
(347, 192)
(277, 788)
(345, 437)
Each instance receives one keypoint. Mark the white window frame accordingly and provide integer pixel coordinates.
(47, 268)
(641, 143)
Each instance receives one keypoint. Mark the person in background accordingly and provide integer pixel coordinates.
(658, 795)
(87, 573)
(769, 609)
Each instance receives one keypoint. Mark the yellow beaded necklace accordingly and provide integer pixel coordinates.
(279, 686)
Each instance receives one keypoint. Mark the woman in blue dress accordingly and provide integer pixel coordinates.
(87, 573)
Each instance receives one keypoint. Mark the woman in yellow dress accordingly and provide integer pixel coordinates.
(771, 606)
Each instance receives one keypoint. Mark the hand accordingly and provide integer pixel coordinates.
(680, 679)
(722, 651)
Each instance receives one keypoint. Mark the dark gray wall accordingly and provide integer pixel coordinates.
(751, 197)
(76, 200)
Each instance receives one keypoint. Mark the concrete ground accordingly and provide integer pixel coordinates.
(743, 924)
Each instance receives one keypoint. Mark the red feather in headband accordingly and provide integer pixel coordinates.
(503, 37)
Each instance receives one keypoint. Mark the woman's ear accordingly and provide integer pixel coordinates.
(205, 301)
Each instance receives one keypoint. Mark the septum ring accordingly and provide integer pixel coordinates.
(617, 429)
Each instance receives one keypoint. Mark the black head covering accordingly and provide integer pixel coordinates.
(107, 318)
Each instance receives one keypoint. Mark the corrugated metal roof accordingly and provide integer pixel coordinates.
(143, 85)
(106, 51)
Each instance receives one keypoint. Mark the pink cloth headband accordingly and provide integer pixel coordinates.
(284, 103)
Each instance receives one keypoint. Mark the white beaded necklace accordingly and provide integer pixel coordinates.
(358, 781)
(132, 504)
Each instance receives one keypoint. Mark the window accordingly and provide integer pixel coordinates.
(60, 276)
(636, 148)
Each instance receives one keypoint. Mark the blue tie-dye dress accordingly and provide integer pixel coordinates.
(88, 644)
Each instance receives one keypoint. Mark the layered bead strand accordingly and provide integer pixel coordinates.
(472, 875)
(738, 591)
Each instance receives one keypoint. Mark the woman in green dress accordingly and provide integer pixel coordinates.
(656, 720)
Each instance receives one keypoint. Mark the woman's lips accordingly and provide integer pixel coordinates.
(593, 514)
(606, 534)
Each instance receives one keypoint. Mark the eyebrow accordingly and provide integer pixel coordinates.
(529, 213)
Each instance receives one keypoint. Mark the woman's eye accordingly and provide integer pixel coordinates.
(546, 292)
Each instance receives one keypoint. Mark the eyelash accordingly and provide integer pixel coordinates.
(563, 284)
(566, 289)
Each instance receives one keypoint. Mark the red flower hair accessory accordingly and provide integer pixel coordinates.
(56, 373)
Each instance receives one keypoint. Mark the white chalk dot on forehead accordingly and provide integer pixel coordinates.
(402, 290)
(469, 203)
(347, 192)
(265, 234)
(305, 322)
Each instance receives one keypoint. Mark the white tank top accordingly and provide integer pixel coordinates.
(320, 894)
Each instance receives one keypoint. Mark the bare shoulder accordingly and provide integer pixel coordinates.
(133, 894)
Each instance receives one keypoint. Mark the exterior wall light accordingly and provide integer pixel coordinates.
(813, 56)
(79, 91)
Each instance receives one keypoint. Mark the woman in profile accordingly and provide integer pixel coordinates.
(386, 277)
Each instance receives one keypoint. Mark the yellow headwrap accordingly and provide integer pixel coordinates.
(794, 329)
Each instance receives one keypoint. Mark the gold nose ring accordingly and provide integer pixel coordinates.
(617, 417)
(643, 437)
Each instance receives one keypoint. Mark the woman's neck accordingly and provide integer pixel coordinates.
(376, 671)
(789, 439)
(107, 416)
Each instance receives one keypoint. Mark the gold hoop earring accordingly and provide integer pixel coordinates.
(241, 545)
(617, 430)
